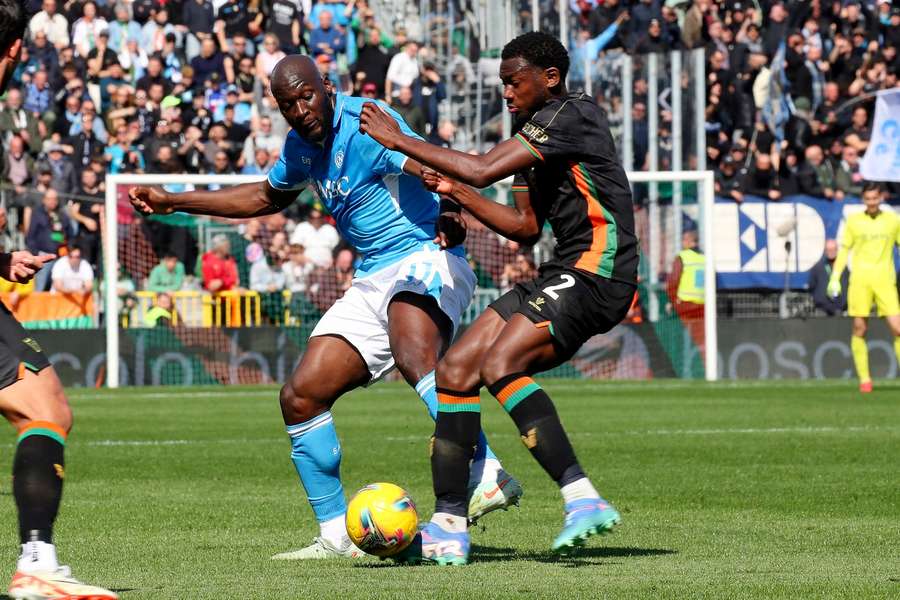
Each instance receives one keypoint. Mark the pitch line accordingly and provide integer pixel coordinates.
(417, 438)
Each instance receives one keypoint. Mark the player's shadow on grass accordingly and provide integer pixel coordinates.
(581, 558)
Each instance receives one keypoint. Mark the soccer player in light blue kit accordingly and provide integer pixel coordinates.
(405, 301)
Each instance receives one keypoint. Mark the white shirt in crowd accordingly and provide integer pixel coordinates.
(263, 277)
(56, 28)
(403, 70)
(318, 243)
(65, 278)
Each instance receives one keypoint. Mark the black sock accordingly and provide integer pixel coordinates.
(455, 436)
(38, 471)
(542, 433)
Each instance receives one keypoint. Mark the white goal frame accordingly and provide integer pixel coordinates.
(706, 201)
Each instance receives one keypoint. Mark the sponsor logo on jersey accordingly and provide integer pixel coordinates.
(533, 132)
(537, 303)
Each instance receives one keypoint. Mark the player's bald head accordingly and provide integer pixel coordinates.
(293, 71)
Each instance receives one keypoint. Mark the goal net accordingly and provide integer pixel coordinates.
(193, 300)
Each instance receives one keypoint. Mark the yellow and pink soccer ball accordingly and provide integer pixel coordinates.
(382, 519)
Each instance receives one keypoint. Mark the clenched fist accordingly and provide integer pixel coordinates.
(150, 200)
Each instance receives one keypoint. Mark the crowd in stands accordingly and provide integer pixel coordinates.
(789, 91)
(181, 86)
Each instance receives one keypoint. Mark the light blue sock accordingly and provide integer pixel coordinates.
(316, 453)
(428, 393)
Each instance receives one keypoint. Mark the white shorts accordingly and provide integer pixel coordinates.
(360, 316)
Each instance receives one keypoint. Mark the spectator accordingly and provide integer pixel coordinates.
(297, 269)
(167, 276)
(122, 155)
(15, 120)
(819, 276)
(428, 92)
(267, 58)
(317, 237)
(411, 113)
(219, 267)
(70, 274)
(163, 313)
(212, 62)
(372, 63)
(122, 30)
(198, 21)
(402, 70)
(86, 216)
(153, 34)
(728, 180)
(49, 227)
(87, 29)
(285, 22)
(39, 96)
(259, 165)
(17, 167)
(762, 180)
(83, 147)
(263, 278)
(848, 181)
(326, 39)
(816, 176)
(52, 24)
(369, 90)
(64, 178)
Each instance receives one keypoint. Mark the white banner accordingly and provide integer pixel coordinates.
(882, 159)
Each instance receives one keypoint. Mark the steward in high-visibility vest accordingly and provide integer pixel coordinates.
(691, 283)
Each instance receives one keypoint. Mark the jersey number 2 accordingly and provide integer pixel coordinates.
(568, 281)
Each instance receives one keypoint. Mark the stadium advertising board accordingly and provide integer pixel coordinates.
(750, 239)
(749, 349)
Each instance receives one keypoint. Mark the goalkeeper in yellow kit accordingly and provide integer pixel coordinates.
(870, 236)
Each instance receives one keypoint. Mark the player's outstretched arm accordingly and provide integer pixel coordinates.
(237, 202)
(479, 170)
(519, 223)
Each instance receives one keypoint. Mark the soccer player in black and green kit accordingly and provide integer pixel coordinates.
(566, 172)
(33, 401)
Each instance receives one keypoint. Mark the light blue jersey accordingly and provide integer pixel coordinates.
(383, 212)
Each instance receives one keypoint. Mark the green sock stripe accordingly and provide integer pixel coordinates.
(44, 432)
(526, 391)
(455, 408)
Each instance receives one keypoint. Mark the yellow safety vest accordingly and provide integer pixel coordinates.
(691, 285)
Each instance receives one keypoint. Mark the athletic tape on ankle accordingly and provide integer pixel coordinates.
(44, 428)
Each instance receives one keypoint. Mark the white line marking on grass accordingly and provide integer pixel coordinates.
(807, 430)
(419, 438)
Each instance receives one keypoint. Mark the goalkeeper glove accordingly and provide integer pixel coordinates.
(834, 288)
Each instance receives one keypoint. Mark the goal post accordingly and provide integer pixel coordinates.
(706, 201)
(220, 350)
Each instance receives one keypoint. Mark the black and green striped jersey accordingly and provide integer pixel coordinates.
(579, 186)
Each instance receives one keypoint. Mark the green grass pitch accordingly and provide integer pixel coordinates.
(727, 491)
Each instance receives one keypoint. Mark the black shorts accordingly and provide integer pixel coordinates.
(575, 306)
(18, 350)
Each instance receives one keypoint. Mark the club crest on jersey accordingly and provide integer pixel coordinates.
(533, 132)
(339, 159)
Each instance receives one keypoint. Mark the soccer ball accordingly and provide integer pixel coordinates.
(382, 519)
